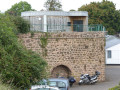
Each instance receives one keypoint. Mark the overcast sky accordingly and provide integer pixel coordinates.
(66, 4)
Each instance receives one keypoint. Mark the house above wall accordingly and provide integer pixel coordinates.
(112, 49)
(111, 41)
(59, 21)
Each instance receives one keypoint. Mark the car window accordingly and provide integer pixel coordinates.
(52, 89)
(45, 89)
(61, 84)
(42, 89)
(52, 84)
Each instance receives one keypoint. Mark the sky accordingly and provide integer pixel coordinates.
(66, 4)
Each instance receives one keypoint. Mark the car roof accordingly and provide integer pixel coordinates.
(58, 79)
(65, 80)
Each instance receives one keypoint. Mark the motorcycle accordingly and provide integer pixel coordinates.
(87, 79)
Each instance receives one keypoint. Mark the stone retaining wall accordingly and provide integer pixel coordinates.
(77, 52)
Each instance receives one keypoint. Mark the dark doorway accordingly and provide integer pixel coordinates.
(78, 25)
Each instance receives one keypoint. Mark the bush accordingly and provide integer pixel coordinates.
(115, 88)
(18, 66)
(6, 23)
(7, 87)
(22, 25)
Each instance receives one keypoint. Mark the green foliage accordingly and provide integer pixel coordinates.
(72, 10)
(7, 87)
(43, 43)
(4, 87)
(53, 5)
(17, 8)
(32, 34)
(115, 88)
(103, 13)
(18, 66)
(21, 24)
(6, 21)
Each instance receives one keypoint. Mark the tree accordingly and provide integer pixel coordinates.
(18, 66)
(53, 5)
(72, 10)
(103, 13)
(17, 8)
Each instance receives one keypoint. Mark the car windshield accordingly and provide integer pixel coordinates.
(57, 84)
(61, 84)
(53, 84)
(45, 89)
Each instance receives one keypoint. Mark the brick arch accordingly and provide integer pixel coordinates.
(61, 71)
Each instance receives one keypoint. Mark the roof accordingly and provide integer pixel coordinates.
(111, 41)
(54, 13)
(58, 79)
(110, 37)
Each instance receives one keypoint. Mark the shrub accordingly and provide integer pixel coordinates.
(18, 66)
(6, 23)
(115, 88)
(7, 87)
(22, 25)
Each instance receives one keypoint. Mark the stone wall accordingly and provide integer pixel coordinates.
(75, 53)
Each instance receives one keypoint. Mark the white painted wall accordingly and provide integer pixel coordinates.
(115, 52)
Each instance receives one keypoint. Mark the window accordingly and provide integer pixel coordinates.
(61, 84)
(109, 55)
(69, 23)
(52, 84)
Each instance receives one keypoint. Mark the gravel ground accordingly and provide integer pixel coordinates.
(112, 79)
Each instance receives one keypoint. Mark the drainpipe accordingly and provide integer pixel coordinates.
(45, 23)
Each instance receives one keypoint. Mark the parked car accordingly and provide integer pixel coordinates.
(61, 83)
(43, 87)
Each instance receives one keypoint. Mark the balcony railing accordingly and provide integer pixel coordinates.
(66, 28)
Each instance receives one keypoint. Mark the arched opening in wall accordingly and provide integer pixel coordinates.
(61, 71)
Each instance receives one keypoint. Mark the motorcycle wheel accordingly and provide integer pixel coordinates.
(93, 83)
